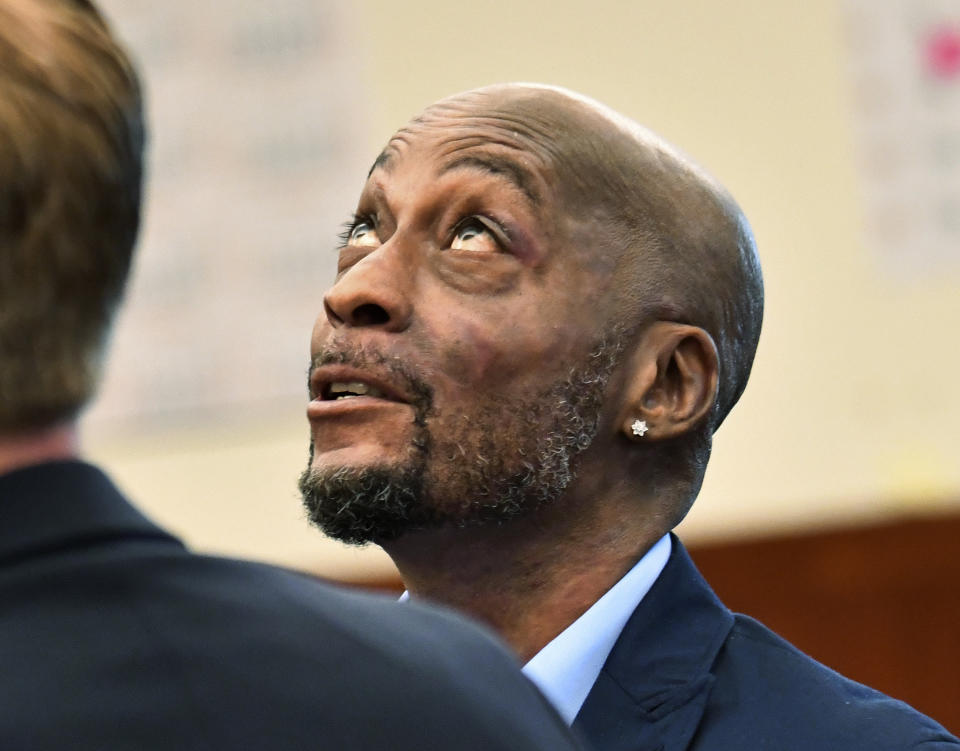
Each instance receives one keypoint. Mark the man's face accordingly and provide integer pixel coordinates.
(457, 369)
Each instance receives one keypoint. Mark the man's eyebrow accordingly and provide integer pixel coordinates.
(497, 165)
(380, 162)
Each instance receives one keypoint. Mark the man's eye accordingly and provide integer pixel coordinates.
(363, 235)
(474, 235)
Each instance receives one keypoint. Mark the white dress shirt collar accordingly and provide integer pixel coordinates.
(566, 668)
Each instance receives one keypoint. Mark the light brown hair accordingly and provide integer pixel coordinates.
(71, 151)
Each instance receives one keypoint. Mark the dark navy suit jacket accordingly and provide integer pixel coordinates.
(687, 674)
(113, 636)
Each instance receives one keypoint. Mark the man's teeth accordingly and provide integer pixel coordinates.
(345, 390)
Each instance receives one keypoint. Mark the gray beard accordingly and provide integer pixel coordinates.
(503, 461)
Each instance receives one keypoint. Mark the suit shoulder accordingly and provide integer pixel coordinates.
(278, 597)
(389, 656)
(771, 680)
(237, 654)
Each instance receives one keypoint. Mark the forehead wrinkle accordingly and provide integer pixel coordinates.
(522, 131)
(398, 143)
(527, 129)
(460, 131)
(523, 127)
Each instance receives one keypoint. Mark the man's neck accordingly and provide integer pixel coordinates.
(24, 448)
(529, 578)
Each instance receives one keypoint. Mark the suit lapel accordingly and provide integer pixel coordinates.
(611, 720)
(654, 686)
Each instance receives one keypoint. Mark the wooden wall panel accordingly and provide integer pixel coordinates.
(880, 604)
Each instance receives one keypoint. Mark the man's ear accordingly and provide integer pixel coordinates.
(672, 383)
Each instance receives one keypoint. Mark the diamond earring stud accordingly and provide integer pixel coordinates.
(639, 427)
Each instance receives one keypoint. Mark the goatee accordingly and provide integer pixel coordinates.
(504, 460)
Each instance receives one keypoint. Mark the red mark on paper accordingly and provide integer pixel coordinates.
(943, 52)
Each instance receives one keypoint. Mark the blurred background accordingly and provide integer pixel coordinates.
(831, 508)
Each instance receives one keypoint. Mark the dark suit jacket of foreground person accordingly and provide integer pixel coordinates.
(113, 636)
(686, 672)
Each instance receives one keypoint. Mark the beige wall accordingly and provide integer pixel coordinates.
(853, 407)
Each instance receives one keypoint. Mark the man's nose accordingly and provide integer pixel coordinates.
(374, 293)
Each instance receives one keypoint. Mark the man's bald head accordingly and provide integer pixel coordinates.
(681, 248)
(547, 272)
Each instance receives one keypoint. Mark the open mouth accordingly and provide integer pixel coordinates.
(337, 390)
(335, 384)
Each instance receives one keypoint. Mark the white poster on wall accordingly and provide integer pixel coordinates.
(256, 121)
(904, 62)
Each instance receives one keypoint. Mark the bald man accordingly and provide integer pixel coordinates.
(542, 314)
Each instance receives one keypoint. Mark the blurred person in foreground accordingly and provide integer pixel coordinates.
(542, 314)
(112, 635)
